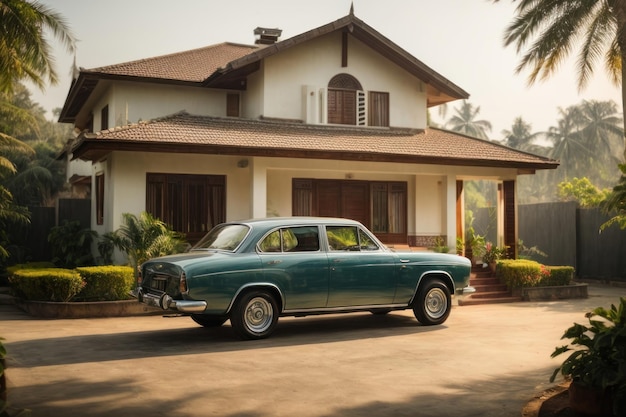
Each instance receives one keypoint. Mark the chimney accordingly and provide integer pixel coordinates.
(266, 36)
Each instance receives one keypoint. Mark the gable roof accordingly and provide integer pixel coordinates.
(186, 133)
(226, 65)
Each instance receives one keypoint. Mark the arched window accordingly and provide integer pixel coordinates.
(348, 104)
(342, 99)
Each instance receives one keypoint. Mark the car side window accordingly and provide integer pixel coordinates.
(291, 239)
(366, 242)
(349, 238)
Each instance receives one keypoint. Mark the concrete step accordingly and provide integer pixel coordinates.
(471, 300)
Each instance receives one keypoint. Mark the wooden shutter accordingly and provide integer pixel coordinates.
(232, 105)
(378, 109)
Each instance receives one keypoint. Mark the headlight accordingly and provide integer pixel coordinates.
(183, 283)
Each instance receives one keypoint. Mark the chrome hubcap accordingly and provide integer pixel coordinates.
(259, 314)
(436, 303)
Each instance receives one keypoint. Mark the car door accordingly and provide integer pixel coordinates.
(293, 261)
(361, 272)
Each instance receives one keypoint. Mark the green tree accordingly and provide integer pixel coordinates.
(582, 191)
(615, 203)
(464, 121)
(545, 32)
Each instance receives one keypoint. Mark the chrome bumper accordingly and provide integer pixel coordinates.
(466, 290)
(166, 302)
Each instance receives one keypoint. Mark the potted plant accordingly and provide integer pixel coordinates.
(597, 362)
(476, 245)
(493, 254)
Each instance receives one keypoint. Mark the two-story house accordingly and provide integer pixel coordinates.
(331, 122)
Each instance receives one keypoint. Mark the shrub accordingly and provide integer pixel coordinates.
(71, 244)
(105, 283)
(29, 265)
(48, 284)
(522, 273)
(559, 275)
(519, 273)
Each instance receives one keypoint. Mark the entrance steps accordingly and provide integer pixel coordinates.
(489, 289)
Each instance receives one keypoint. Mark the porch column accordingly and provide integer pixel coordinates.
(510, 217)
(258, 189)
(451, 211)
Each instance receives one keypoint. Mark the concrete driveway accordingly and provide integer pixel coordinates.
(485, 361)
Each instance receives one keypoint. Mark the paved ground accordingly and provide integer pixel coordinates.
(485, 361)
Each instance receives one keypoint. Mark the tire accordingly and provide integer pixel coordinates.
(208, 321)
(255, 315)
(433, 303)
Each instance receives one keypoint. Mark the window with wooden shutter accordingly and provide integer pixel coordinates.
(232, 105)
(104, 118)
(100, 198)
(190, 204)
(378, 109)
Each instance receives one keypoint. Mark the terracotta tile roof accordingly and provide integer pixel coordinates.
(194, 66)
(183, 131)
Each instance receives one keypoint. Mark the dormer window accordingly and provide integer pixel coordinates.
(348, 104)
(342, 99)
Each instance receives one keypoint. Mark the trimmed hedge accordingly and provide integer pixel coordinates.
(30, 265)
(522, 273)
(105, 283)
(46, 284)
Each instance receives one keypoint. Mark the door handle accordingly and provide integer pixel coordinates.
(274, 262)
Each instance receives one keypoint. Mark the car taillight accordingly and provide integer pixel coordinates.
(139, 277)
(183, 283)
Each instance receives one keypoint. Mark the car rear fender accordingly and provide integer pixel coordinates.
(431, 275)
(268, 286)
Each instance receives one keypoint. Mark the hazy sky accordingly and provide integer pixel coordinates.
(460, 39)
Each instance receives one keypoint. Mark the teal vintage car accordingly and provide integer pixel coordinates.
(254, 271)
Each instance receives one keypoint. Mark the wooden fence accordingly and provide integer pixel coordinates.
(571, 236)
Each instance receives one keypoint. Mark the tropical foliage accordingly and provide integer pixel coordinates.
(615, 203)
(24, 55)
(582, 191)
(545, 32)
(145, 237)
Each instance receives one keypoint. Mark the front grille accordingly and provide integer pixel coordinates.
(159, 282)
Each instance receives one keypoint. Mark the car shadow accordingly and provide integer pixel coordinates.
(47, 351)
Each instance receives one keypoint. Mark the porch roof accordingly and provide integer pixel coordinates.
(186, 133)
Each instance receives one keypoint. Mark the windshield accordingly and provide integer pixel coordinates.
(223, 237)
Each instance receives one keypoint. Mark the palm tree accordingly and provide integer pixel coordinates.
(24, 55)
(464, 121)
(548, 30)
(569, 144)
(145, 237)
(24, 50)
(602, 125)
(520, 136)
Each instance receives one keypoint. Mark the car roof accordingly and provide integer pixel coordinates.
(295, 220)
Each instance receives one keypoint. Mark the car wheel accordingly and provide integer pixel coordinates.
(255, 315)
(433, 303)
(208, 321)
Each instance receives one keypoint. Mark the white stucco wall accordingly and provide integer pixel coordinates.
(315, 62)
(125, 182)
